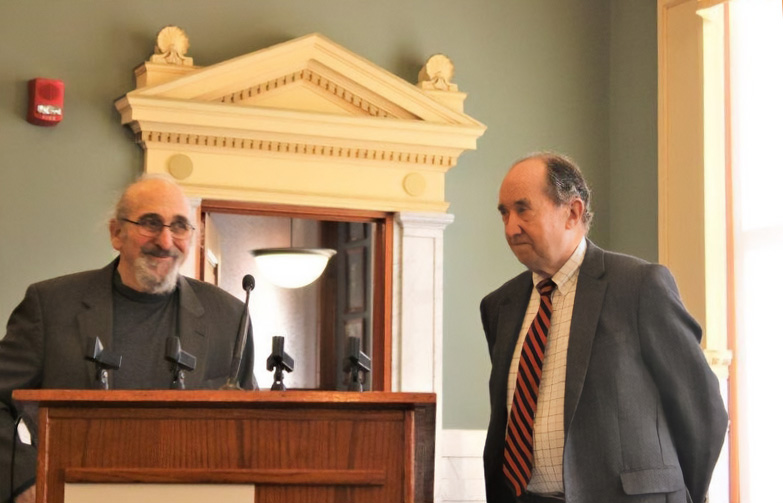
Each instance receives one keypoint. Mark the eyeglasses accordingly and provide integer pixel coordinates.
(151, 226)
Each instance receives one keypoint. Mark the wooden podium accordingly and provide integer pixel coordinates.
(292, 446)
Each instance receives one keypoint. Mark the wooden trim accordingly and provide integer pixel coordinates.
(201, 249)
(382, 306)
(42, 465)
(680, 155)
(409, 460)
(213, 398)
(735, 418)
(284, 210)
(226, 476)
(327, 316)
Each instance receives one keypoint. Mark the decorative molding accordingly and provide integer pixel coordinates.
(172, 45)
(435, 80)
(414, 184)
(427, 222)
(305, 122)
(180, 166)
(360, 104)
(437, 73)
(719, 361)
(223, 142)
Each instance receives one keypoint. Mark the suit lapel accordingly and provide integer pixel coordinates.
(96, 318)
(191, 329)
(588, 301)
(511, 316)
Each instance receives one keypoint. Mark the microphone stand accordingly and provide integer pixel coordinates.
(248, 283)
(180, 362)
(104, 361)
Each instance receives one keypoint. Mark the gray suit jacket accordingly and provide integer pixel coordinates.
(643, 417)
(47, 336)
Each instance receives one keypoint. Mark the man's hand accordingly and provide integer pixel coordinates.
(26, 497)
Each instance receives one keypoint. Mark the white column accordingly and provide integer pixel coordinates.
(417, 320)
(419, 302)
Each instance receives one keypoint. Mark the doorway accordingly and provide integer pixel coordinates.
(351, 298)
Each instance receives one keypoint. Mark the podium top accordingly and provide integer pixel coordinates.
(218, 398)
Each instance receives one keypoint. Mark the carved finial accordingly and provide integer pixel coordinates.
(172, 45)
(437, 73)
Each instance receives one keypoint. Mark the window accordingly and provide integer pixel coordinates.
(756, 52)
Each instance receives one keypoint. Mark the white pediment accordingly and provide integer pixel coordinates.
(311, 100)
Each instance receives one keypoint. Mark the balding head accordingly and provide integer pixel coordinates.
(148, 188)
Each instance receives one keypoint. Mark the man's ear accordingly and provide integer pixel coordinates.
(115, 232)
(576, 209)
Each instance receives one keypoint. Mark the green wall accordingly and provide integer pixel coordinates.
(566, 75)
(632, 170)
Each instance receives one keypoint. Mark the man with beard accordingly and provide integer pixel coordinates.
(133, 305)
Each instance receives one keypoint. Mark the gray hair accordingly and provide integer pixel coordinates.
(565, 182)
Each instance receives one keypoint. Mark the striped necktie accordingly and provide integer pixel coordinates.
(518, 452)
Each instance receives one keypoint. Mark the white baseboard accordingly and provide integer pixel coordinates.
(462, 467)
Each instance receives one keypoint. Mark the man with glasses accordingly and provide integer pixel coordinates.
(132, 305)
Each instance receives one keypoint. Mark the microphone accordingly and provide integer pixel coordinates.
(248, 283)
(278, 361)
(180, 362)
(104, 361)
(355, 361)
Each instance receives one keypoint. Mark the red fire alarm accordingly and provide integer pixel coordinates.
(46, 102)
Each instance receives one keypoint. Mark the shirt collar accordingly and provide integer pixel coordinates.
(569, 269)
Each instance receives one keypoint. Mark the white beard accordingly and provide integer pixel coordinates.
(144, 269)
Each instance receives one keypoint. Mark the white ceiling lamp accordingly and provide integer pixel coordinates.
(292, 267)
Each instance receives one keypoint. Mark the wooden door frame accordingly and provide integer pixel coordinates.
(382, 273)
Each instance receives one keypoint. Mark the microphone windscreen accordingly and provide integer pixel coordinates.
(248, 282)
(278, 343)
(354, 346)
(173, 348)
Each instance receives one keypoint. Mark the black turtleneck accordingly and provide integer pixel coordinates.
(141, 324)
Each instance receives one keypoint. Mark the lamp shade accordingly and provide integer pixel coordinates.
(292, 267)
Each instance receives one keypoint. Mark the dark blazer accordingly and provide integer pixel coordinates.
(47, 335)
(644, 420)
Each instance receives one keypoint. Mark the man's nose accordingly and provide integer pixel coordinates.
(512, 225)
(165, 240)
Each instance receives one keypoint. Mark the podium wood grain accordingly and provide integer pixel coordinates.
(294, 446)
